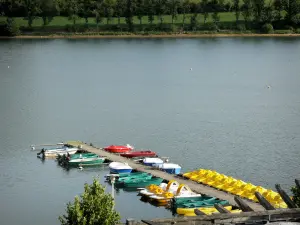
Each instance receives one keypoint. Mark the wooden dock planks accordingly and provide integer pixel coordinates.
(199, 188)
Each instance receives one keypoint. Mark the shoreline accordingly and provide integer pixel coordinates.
(103, 36)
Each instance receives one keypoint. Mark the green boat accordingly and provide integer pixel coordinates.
(204, 204)
(207, 203)
(86, 160)
(83, 155)
(143, 183)
(144, 176)
(183, 200)
(132, 174)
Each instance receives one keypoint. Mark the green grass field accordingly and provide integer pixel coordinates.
(59, 21)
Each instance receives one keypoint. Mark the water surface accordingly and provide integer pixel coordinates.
(237, 111)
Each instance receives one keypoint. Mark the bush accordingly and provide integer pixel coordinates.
(12, 28)
(267, 28)
(241, 27)
(296, 195)
(210, 26)
(94, 206)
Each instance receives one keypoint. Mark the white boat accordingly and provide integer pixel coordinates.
(62, 150)
(170, 168)
(153, 161)
(118, 167)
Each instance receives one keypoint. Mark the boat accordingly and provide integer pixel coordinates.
(206, 210)
(118, 148)
(151, 189)
(61, 150)
(143, 176)
(143, 183)
(165, 196)
(205, 203)
(118, 167)
(153, 162)
(171, 168)
(127, 175)
(138, 154)
(86, 160)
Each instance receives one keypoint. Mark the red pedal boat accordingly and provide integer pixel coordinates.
(118, 148)
(138, 154)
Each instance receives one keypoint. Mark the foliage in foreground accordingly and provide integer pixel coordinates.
(296, 195)
(94, 206)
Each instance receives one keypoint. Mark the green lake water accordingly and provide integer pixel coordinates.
(228, 104)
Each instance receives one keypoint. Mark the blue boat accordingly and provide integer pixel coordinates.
(157, 162)
(171, 168)
(117, 167)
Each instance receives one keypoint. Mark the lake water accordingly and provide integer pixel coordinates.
(237, 111)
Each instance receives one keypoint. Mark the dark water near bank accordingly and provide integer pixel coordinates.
(219, 115)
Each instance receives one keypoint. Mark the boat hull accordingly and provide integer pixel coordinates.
(138, 154)
(60, 152)
(153, 164)
(120, 170)
(87, 161)
(140, 184)
(118, 149)
(172, 170)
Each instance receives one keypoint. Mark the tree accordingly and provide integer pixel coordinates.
(173, 6)
(247, 11)
(140, 9)
(8, 7)
(279, 7)
(160, 6)
(292, 7)
(109, 6)
(119, 9)
(258, 6)
(98, 12)
(86, 9)
(236, 6)
(150, 9)
(73, 8)
(48, 11)
(215, 8)
(205, 9)
(93, 207)
(185, 9)
(194, 10)
(130, 8)
(32, 8)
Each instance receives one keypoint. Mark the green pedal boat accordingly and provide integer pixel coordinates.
(141, 183)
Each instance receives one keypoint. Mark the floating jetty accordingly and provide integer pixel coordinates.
(196, 187)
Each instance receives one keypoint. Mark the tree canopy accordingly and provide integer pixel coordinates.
(94, 206)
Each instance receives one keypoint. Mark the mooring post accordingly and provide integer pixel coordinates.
(130, 221)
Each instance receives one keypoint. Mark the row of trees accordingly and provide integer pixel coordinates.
(254, 11)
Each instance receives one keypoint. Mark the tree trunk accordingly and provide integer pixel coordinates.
(172, 19)
(119, 20)
(141, 20)
(86, 20)
(183, 21)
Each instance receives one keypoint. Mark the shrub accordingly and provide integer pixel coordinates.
(296, 19)
(267, 28)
